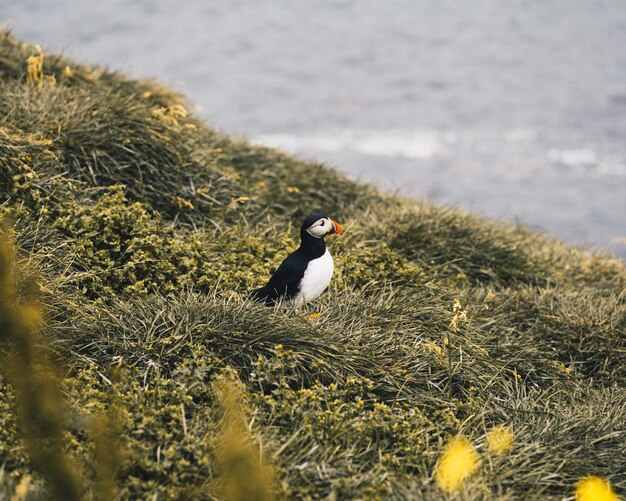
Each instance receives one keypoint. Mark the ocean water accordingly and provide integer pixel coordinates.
(515, 109)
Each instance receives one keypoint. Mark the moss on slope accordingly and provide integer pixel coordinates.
(145, 228)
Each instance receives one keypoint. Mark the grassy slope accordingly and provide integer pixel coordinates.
(145, 227)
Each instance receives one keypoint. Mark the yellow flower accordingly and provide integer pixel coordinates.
(487, 299)
(595, 489)
(458, 462)
(183, 203)
(34, 68)
(312, 316)
(561, 367)
(459, 315)
(499, 440)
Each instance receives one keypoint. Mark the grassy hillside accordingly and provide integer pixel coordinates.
(138, 231)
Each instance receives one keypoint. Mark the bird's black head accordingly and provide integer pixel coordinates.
(318, 226)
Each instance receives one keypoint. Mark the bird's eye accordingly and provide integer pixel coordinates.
(322, 223)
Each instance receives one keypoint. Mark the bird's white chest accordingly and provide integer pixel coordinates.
(316, 279)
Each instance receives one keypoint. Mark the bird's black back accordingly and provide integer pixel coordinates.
(285, 282)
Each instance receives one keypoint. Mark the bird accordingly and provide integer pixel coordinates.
(306, 272)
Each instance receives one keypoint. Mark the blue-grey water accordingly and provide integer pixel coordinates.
(512, 108)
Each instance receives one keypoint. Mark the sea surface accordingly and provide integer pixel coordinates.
(514, 109)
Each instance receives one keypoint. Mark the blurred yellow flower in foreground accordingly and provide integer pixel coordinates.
(595, 489)
(458, 462)
(499, 440)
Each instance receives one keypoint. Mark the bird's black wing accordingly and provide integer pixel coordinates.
(284, 281)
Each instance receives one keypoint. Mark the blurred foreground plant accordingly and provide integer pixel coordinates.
(499, 440)
(458, 462)
(595, 489)
(244, 475)
(40, 408)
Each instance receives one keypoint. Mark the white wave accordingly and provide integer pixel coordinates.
(603, 165)
(420, 144)
(574, 158)
(612, 168)
(425, 144)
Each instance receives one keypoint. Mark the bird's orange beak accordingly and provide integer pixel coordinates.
(336, 228)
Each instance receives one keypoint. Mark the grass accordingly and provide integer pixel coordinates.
(139, 231)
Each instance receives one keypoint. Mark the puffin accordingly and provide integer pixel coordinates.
(306, 272)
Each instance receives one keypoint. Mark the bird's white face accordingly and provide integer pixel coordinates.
(321, 227)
